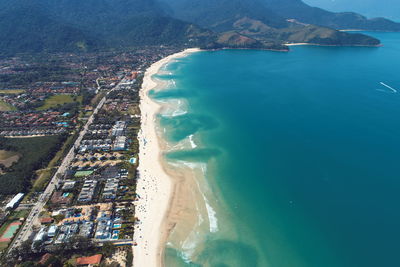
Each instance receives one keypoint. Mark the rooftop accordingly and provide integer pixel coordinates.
(95, 259)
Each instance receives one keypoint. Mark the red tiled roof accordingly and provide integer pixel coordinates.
(95, 259)
(46, 220)
(45, 258)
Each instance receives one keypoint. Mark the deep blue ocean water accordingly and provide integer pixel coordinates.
(303, 148)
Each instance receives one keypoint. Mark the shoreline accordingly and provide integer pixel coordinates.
(155, 187)
(312, 44)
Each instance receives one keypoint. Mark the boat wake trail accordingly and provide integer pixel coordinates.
(389, 87)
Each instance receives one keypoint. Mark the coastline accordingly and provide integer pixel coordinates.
(312, 44)
(155, 187)
(352, 30)
(298, 44)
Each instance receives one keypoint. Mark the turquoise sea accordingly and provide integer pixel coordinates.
(303, 153)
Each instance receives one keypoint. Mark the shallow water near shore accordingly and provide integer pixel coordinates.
(301, 155)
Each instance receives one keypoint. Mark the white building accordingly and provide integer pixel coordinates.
(15, 201)
(41, 236)
(52, 231)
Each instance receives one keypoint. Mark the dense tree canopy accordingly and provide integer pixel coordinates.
(36, 152)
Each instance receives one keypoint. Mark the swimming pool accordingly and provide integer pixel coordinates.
(117, 225)
(115, 234)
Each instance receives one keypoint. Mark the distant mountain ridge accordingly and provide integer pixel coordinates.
(297, 9)
(389, 9)
(88, 25)
(217, 14)
(261, 20)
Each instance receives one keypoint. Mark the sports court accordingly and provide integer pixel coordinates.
(10, 232)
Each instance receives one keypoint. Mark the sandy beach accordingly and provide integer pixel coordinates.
(297, 44)
(155, 187)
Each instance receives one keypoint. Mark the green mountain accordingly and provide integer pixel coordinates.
(160, 29)
(71, 25)
(76, 25)
(30, 29)
(219, 15)
(256, 19)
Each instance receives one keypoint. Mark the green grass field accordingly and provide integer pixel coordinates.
(4, 154)
(6, 107)
(56, 100)
(15, 215)
(7, 158)
(11, 91)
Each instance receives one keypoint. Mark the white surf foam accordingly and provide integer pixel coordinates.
(204, 168)
(185, 256)
(189, 246)
(212, 217)
(170, 113)
(173, 108)
(211, 213)
(178, 113)
(192, 143)
(389, 87)
(191, 165)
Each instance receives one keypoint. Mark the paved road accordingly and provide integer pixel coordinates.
(33, 216)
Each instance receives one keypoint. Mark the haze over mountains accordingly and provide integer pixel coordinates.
(273, 12)
(297, 9)
(371, 8)
(87, 25)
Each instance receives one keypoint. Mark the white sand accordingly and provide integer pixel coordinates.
(297, 44)
(154, 187)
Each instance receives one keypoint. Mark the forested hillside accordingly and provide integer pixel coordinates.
(31, 29)
(261, 19)
(44, 25)
(90, 25)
